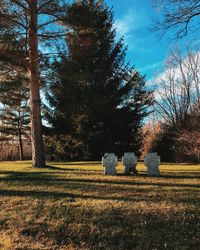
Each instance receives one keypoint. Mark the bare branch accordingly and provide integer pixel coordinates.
(176, 15)
(178, 87)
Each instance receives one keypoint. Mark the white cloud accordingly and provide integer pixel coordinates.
(151, 66)
(128, 25)
(125, 25)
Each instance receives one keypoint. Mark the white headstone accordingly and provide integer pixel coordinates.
(129, 160)
(152, 162)
(109, 162)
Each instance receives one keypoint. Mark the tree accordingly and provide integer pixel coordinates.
(27, 22)
(15, 111)
(179, 15)
(97, 100)
(178, 88)
(178, 106)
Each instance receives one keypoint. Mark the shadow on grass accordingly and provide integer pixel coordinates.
(115, 229)
(49, 167)
(109, 228)
(147, 197)
(47, 178)
(175, 174)
(179, 164)
(53, 168)
(28, 163)
(186, 175)
(77, 163)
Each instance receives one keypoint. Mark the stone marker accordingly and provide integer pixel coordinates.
(105, 155)
(109, 162)
(152, 162)
(129, 160)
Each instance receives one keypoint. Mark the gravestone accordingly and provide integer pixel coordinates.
(109, 162)
(152, 162)
(129, 160)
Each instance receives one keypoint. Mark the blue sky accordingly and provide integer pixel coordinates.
(133, 19)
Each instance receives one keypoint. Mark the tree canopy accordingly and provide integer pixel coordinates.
(96, 99)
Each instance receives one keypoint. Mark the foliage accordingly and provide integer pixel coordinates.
(151, 131)
(62, 147)
(179, 145)
(97, 99)
(175, 144)
(15, 109)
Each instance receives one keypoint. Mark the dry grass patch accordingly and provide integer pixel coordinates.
(74, 206)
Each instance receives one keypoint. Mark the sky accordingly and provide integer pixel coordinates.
(133, 19)
(146, 51)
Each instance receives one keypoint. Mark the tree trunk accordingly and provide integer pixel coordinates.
(38, 157)
(21, 152)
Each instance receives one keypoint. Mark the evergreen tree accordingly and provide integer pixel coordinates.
(97, 100)
(15, 109)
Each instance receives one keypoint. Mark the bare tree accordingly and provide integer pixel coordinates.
(27, 22)
(182, 16)
(178, 88)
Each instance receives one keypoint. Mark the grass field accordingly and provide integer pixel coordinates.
(74, 206)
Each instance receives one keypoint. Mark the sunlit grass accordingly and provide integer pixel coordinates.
(74, 206)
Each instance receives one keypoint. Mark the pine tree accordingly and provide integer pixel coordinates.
(96, 100)
(15, 109)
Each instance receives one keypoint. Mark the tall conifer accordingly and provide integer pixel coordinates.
(94, 99)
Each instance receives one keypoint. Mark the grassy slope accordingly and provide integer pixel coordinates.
(74, 206)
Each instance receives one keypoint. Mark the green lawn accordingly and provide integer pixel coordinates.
(74, 206)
